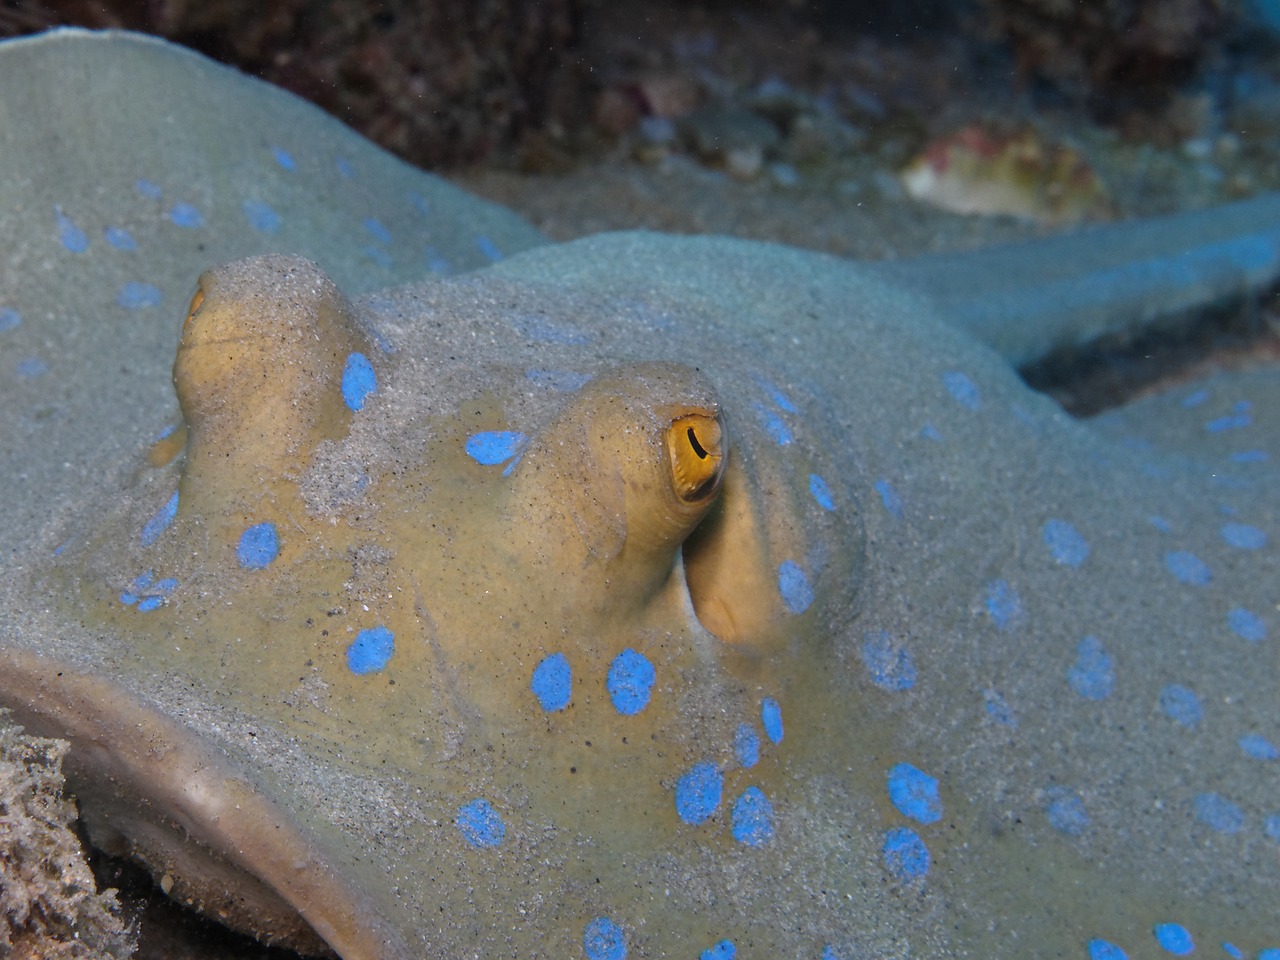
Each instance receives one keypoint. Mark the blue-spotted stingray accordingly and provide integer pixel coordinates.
(641, 596)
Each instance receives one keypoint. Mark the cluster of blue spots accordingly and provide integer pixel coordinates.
(998, 709)
(259, 545)
(1173, 938)
(773, 425)
(566, 381)
(491, 447)
(488, 248)
(147, 592)
(1238, 418)
(69, 235)
(157, 525)
(1105, 950)
(480, 824)
(1187, 567)
(376, 229)
(746, 745)
(1065, 543)
(10, 319)
(539, 328)
(370, 650)
(359, 380)
(1065, 811)
(284, 158)
(905, 855)
(602, 939)
(889, 498)
(698, 793)
(552, 682)
(753, 818)
(1218, 813)
(914, 793)
(1250, 456)
(137, 295)
(261, 216)
(963, 390)
(1092, 676)
(1246, 625)
(889, 666)
(1243, 536)
(1003, 604)
(793, 584)
(1181, 705)
(724, 950)
(31, 367)
(1258, 747)
(821, 492)
(186, 215)
(630, 682)
(120, 238)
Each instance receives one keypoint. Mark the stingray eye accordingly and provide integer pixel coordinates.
(196, 299)
(694, 443)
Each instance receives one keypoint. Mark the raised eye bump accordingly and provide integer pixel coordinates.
(696, 451)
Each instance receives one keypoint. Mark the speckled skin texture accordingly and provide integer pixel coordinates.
(419, 647)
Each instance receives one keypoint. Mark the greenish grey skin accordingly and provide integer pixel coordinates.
(224, 739)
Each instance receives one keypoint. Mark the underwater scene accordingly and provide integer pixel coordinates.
(545, 478)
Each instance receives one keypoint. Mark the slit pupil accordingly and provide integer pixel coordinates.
(697, 447)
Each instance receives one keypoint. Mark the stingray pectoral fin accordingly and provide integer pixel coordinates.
(185, 810)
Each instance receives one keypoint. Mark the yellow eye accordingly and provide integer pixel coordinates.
(196, 299)
(695, 445)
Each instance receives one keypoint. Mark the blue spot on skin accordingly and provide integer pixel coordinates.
(604, 940)
(377, 229)
(889, 666)
(120, 238)
(1104, 950)
(1187, 567)
(962, 390)
(1231, 950)
(773, 425)
(436, 262)
(829, 953)
(359, 381)
(1181, 705)
(1258, 747)
(370, 650)
(261, 216)
(746, 745)
(566, 381)
(551, 683)
(488, 248)
(1195, 398)
(914, 793)
(724, 950)
(1271, 827)
(1161, 524)
(1065, 543)
(905, 855)
(1065, 811)
(1218, 813)
(148, 189)
(1173, 938)
(185, 215)
(157, 525)
(136, 295)
(1250, 456)
(258, 546)
(1243, 537)
(32, 367)
(494, 446)
(480, 824)
(930, 432)
(630, 682)
(998, 709)
(9, 320)
(889, 497)
(1246, 625)
(698, 793)
(1271, 953)
(821, 492)
(1003, 604)
(344, 168)
(771, 717)
(377, 255)
(753, 818)
(1093, 674)
(1236, 420)
(148, 595)
(283, 158)
(794, 586)
(72, 237)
